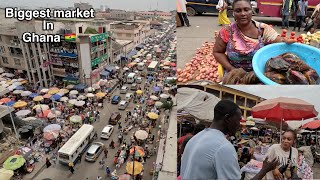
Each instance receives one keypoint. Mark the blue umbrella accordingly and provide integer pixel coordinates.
(9, 103)
(19, 88)
(56, 97)
(33, 95)
(157, 88)
(150, 78)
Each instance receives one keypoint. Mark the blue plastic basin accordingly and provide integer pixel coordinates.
(308, 54)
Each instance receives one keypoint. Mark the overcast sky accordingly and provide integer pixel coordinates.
(310, 94)
(140, 5)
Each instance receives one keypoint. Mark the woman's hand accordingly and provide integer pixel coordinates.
(277, 175)
(289, 41)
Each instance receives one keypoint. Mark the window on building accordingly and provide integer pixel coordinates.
(104, 30)
(5, 60)
(80, 29)
(2, 50)
(17, 62)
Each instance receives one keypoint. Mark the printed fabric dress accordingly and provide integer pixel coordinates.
(241, 48)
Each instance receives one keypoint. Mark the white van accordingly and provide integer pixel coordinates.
(131, 77)
(140, 66)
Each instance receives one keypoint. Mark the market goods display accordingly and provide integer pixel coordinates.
(288, 68)
(203, 66)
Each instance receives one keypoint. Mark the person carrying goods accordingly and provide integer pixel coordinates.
(112, 144)
(108, 171)
(101, 163)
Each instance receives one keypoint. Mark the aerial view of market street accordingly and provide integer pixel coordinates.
(229, 132)
(228, 45)
(100, 104)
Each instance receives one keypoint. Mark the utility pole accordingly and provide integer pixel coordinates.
(14, 126)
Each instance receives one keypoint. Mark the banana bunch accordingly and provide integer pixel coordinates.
(311, 39)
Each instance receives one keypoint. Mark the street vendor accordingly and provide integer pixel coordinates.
(237, 43)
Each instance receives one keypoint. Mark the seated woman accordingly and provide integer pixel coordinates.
(237, 43)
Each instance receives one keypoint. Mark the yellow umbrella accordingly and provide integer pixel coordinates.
(6, 174)
(38, 98)
(153, 115)
(64, 90)
(24, 82)
(139, 92)
(20, 104)
(100, 94)
(53, 91)
(138, 167)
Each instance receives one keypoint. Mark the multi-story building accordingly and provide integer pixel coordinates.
(155, 15)
(116, 14)
(83, 6)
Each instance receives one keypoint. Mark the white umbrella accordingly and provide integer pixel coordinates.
(75, 119)
(158, 103)
(64, 99)
(125, 68)
(61, 93)
(95, 86)
(164, 96)
(70, 86)
(141, 134)
(117, 67)
(12, 87)
(20, 79)
(52, 127)
(17, 91)
(153, 97)
(3, 81)
(73, 92)
(8, 74)
(40, 107)
(4, 85)
(90, 89)
(72, 101)
(29, 118)
(90, 95)
(26, 93)
(80, 103)
(23, 113)
(54, 114)
(81, 97)
(16, 83)
(44, 90)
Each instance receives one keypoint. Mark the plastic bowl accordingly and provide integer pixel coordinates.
(308, 54)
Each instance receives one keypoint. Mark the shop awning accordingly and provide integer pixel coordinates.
(132, 53)
(70, 79)
(105, 73)
(80, 87)
(110, 68)
(70, 55)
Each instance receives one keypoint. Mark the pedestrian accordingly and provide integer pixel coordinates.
(48, 163)
(301, 13)
(285, 12)
(108, 171)
(105, 152)
(71, 167)
(316, 18)
(99, 178)
(227, 116)
(79, 158)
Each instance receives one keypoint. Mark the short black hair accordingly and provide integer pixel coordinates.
(293, 132)
(223, 108)
(198, 128)
(235, 1)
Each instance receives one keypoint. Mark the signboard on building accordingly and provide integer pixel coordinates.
(98, 60)
(98, 37)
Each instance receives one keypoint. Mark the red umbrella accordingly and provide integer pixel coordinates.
(284, 108)
(173, 64)
(312, 125)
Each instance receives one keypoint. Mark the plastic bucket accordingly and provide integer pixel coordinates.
(308, 54)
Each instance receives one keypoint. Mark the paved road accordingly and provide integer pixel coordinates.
(201, 30)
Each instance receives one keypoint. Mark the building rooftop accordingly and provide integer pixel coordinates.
(8, 30)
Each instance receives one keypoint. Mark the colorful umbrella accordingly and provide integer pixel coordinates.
(23, 113)
(72, 101)
(53, 91)
(100, 94)
(26, 93)
(50, 135)
(38, 98)
(20, 104)
(153, 115)
(47, 96)
(312, 125)
(79, 103)
(60, 93)
(53, 88)
(150, 102)
(90, 95)
(44, 113)
(75, 119)
(125, 177)
(64, 99)
(70, 86)
(141, 134)
(41, 107)
(173, 64)
(156, 88)
(56, 97)
(52, 127)
(17, 91)
(14, 162)
(11, 103)
(81, 97)
(6, 174)
(44, 90)
(73, 92)
(64, 90)
(95, 86)
(139, 92)
(5, 100)
(134, 167)
(33, 95)
(153, 97)
(54, 114)
(18, 87)
(90, 89)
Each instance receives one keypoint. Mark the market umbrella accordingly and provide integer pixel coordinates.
(139, 92)
(150, 102)
(79, 103)
(90, 89)
(60, 93)
(24, 82)
(73, 92)
(153, 97)
(17, 91)
(18, 87)
(315, 124)
(53, 91)
(125, 69)
(153, 115)
(173, 64)
(41, 107)
(52, 127)
(158, 103)
(90, 95)
(100, 94)
(14, 162)
(47, 96)
(23, 113)
(50, 135)
(11, 103)
(125, 177)
(81, 97)
(72, 101)
(44, 113)
(12, 87)
(95, 86)
(138, 152)
(64, 99)
(20, 104)
(141, 134)
(45, 90)
(64, 90)
(164, 96)
(75, 119)
(56, 97)
(29, 118)
(70, 86)
(54, 114)
(33, 95)
(156, 88)
(7, 174)
(54, 88)
(26, 93)
(4, 85)
(134, 167)
(5, 100)
(38, 98)
(8, 75)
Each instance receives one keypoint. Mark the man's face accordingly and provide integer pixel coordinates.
(233, 122)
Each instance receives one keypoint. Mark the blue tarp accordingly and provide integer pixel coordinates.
(80, 87)
(105, 73)
(33, 95)
(19, 88)
(11, 103)
(68, 55)
(70, 78)
(110, 69)
(56, 97)
(132, 53)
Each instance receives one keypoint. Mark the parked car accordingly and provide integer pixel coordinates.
(129, 97)
(123, 105)
(115, 99)
(114, 118)
(94, 151)
(133, 87)
(124, 89)
(139, 80)
(106, 132)
(195, 7)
